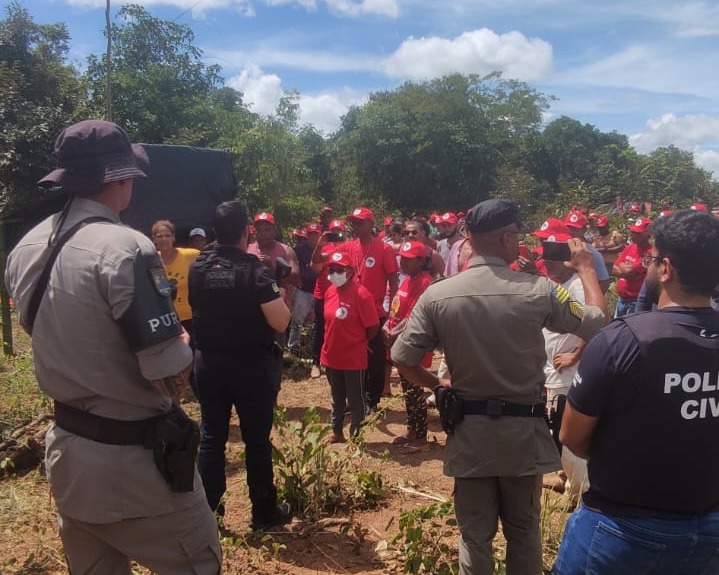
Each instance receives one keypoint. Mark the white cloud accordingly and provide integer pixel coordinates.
(685, 132)
(692, 19)
(709, 160)
(308, 60)
(261, 91)
(198, 9)
(388, 8)
(475, 52)
(323, 111)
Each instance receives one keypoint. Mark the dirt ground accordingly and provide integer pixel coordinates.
(357, 541)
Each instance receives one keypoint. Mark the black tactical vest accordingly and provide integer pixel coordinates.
(654, 448)
(226, 312)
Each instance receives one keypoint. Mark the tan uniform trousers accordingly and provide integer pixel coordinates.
(479, 502)
(183, 542)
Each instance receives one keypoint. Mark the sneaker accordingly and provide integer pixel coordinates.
(281, 516)
(315, 373)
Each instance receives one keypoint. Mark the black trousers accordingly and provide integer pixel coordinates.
(376, 361)
(225, 381)
(318, 330)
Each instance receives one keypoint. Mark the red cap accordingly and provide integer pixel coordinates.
(447, 218)
(340, 259)
(664, 213)
(460, 215)
(433, 218)
(265, 217)
(699, 207)
(388, 221)
(602, 221)
(338, 225)
(299, 233)
(640, 225)
(635, 207)
(413, 250)
(361, 213)
(576, 220)
(553, 227)
(313, 228)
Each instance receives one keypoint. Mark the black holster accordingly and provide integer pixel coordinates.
(174, 440)
(449, 405)
(555, 411)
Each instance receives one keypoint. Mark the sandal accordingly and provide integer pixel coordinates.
(401, 439)
(416, 447)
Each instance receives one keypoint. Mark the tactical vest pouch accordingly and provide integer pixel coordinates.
(450, 407)
(174, 440)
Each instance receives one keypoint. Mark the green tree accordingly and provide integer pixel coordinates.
(160, 86)
(436, 143)
(38, 97)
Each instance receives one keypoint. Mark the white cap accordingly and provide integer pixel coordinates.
(198, 232)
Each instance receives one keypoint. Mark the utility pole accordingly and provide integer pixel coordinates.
(108, 65)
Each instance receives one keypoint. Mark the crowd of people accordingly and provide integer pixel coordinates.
(531, 380)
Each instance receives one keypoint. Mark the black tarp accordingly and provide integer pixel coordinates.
(185, 185)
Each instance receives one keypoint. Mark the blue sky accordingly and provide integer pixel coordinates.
(644, 68)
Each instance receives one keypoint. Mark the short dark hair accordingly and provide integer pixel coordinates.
(690, 239)
(230, 221)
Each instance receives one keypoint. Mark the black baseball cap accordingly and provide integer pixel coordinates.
(491, 215)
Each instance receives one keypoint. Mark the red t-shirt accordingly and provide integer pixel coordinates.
(403, 303)
(322, 282)
(632, 254)
(348, 314)
(373, 264)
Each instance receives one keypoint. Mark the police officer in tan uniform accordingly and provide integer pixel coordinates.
(489, 321)
(109, 349)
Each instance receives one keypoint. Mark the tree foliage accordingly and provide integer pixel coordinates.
(440, 144)
(161, 89)
(38, 97)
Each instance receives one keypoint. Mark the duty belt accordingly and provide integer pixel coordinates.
(102, 429)
(495, 408)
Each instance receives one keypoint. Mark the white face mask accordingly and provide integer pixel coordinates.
(338, 279)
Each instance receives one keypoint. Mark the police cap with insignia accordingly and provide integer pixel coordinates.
(491, 215)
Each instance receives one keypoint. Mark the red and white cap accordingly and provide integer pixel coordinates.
(313, 228)
(635, 207)
(447, 218)
(601, 221)
(299, 233)
(340, 259)
(553, 227)
(576, 220)
(338, 225)
(699, 207)
(640, 225)
(361, 213)
(265, 217)
(664, 213)
(413, 250)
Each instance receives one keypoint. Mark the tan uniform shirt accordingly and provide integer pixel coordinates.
(489, 320)
(82, 359)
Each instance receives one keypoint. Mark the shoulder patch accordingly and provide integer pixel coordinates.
(576, 309)
(560, 293)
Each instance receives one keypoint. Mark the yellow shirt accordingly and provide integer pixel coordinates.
(178, 271)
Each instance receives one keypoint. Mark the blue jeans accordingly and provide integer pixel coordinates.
(224, 381)
(625, 307)
(597, 544)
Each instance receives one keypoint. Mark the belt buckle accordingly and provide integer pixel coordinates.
(495, 407)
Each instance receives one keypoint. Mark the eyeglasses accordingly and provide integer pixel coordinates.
(647, 259)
